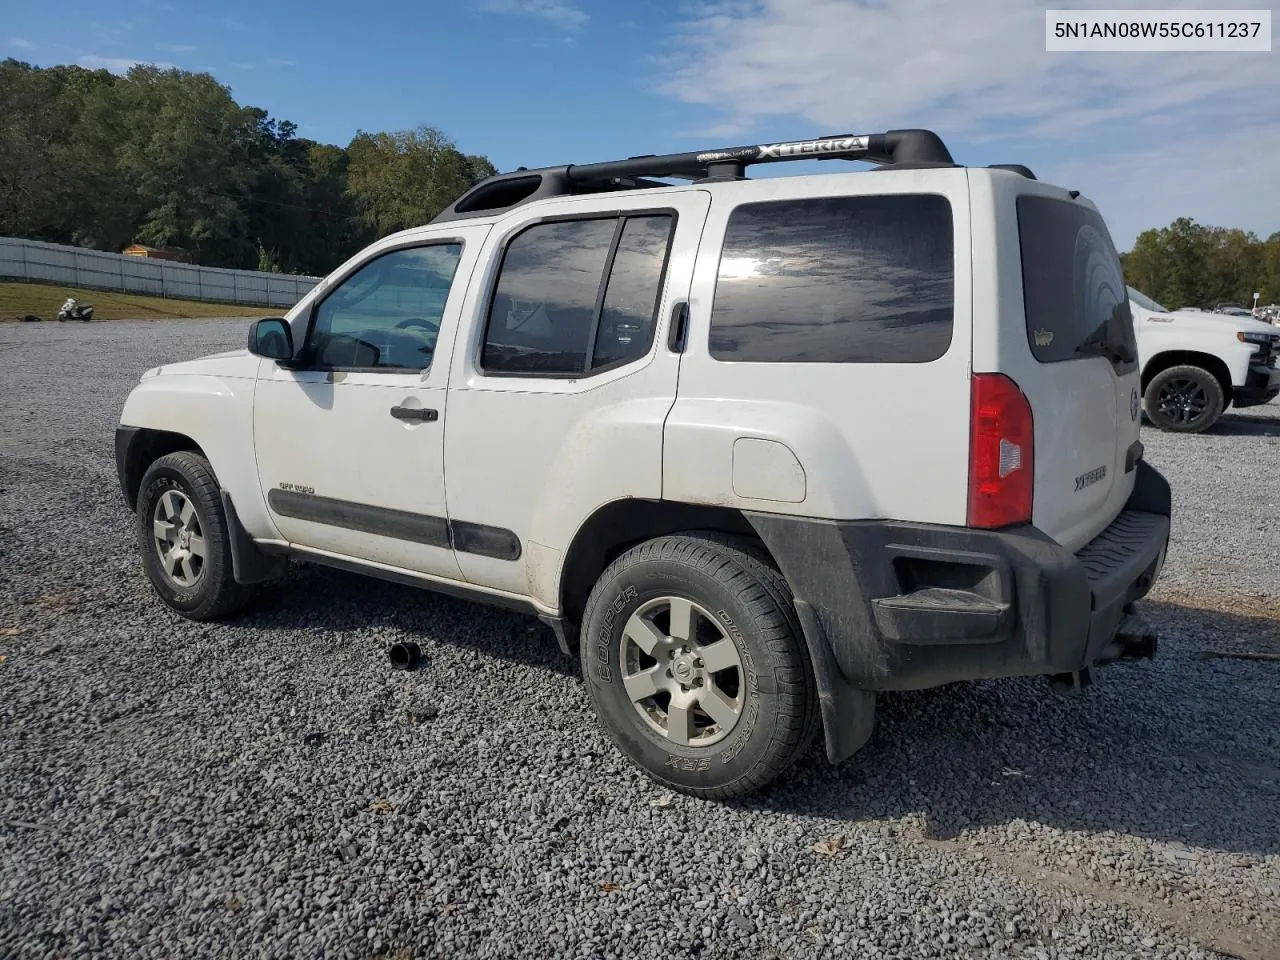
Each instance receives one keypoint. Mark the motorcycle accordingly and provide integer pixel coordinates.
(73, 310)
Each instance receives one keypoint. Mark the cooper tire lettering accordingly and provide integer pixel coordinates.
(689, 764)
(604, 638)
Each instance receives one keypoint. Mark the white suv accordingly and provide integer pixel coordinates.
(759, 449)
(1195, 363)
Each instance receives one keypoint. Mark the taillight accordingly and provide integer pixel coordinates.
(1001, 451)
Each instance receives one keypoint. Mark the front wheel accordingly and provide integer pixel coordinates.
(697, 667)
(182, 532)
(1184, 399)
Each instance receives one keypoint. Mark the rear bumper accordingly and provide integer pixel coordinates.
(1261, 385)
(907, 606)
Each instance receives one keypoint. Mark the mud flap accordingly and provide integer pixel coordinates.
(848, 713)
(248, 563)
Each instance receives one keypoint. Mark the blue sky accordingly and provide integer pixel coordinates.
(1149, 136)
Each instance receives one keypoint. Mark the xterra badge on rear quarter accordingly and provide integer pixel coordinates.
(1090, 478)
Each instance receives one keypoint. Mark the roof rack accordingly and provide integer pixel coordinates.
(505, 191)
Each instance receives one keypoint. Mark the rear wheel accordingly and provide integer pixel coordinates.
(1184, 399)
(697, 667)
(182, 532)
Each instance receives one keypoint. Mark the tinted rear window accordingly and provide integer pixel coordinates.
(1072, 284)
(836, 280)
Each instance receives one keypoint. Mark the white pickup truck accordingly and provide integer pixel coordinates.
(1195, 364)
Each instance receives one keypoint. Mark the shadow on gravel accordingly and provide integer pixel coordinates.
(1237, 425)
(321, 598)
(1181, 749)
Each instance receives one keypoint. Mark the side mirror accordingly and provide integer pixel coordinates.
(271, 338)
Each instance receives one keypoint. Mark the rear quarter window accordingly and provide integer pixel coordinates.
(836, 280)
(1072, 284)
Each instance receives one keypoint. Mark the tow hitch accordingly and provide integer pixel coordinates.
(1135, 639)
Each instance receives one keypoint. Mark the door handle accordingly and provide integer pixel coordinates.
(679, 329)
(415, 413)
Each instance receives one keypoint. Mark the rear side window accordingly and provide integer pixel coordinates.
(1072, 284)
(836, 280)
(575, 297)
(631, 297)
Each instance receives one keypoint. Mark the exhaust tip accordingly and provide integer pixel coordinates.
(404, 656)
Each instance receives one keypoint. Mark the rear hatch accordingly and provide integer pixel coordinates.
(1083, 381)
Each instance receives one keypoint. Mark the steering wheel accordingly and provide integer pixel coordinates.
(418, 322)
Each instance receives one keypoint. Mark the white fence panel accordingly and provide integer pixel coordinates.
(96, 270)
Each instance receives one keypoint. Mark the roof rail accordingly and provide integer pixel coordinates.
(505, 191)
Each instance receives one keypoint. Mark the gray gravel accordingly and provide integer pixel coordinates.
(268, 787)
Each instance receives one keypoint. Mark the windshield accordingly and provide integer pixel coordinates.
(1145, 302)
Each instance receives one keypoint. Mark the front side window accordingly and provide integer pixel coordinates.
(577, 296)
(1073, 287)
(836, 280)
(386, 314)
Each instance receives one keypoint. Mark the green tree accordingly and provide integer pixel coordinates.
(1189, 265)
(1145, 266)
(105, 207)
(404, 179)
(1269, 282)
(334, 229)
(185, 155)
(168, 158)
(40, 176)
(1234, 266)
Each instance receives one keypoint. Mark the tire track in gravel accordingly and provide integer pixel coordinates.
(1212, 925)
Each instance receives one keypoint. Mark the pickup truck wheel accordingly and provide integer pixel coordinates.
(697, 666)
(182, 531)
(1184, 399)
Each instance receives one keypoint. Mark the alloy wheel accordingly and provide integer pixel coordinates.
(682, 672)
(179, 538)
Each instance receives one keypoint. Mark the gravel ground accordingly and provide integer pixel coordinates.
(268, 787)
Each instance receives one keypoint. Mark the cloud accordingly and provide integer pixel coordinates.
(110, 34)
(22, 44)
(121, 65)
(969, 68)
(277, 62)
(176, 47)
(978, 72)
(1145, 185)
(560, 13)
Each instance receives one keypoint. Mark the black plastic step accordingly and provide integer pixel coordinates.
(939, 616)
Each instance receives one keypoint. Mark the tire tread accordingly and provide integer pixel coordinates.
(1217, 398)
(743, 568)
(227, 596)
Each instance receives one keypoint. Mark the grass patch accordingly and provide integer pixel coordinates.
(44, 299)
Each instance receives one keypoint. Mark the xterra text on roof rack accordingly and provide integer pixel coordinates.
(758, 449)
